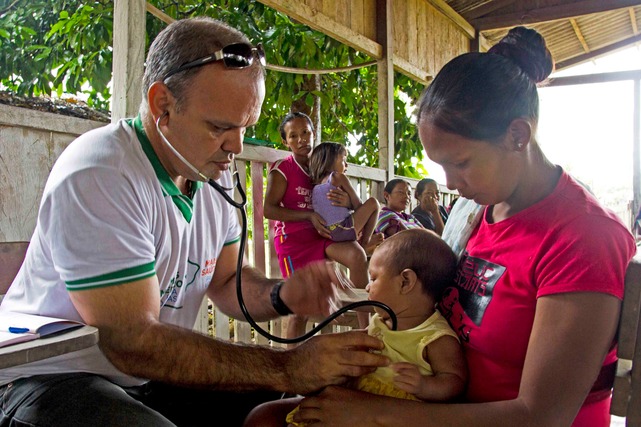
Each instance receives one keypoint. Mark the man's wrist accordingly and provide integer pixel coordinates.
(277, 303)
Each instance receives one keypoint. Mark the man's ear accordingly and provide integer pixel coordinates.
(409, 282)
(520, 133)
(160, 99)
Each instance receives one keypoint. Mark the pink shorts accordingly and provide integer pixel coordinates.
(295, 250)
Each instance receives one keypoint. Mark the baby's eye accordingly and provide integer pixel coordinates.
(461, 164)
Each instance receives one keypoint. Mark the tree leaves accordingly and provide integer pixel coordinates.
(64, 46)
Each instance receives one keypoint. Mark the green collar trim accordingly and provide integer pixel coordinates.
(184, 203)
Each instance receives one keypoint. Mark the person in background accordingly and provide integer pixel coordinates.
(327, 168)
(300, 234)
(427, 358)
(350, 229)
(538, 291)
(428, 212)
(130, 240)
(392, 217)
(451, 205)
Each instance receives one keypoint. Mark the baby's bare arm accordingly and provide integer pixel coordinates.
(341, 180)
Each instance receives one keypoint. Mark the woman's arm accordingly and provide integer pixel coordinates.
(571, 335)
(276, 186)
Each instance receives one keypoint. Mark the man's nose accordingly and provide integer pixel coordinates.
(234, 140)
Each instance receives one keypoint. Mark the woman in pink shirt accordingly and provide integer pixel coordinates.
(538, 291)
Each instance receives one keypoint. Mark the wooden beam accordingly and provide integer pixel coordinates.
(636, 150)
(530, 14)
(318, 21)
(579, 35)
(159, 13)
(598, 52)
(616, 76)
(412, 71)
(633, 21)
(486, 9)
(128, 57)
(385, 36)
(453, 16)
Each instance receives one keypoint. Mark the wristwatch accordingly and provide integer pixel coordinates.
(278, 304)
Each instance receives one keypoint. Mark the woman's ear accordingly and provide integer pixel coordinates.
(520, 133)
(409, 282)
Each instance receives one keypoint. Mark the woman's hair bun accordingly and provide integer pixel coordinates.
(527, 49)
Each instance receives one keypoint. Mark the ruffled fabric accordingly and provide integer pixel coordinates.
(373, 385)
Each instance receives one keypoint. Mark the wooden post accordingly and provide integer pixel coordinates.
(385, 37)
(636, 151)
(475, 43)
(128, 57)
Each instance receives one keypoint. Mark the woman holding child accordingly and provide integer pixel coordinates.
(301, 235)
(539, 290)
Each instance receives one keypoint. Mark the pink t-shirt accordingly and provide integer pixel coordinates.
(565, 243)
(298, 195)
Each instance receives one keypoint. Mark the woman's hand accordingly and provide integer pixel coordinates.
(319, 224)
(431, 205)
(339, 197)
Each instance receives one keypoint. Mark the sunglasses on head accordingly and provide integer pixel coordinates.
(235, 56)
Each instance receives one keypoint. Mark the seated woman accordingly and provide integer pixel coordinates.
(429, 213)
(538, 291)
(392, 217)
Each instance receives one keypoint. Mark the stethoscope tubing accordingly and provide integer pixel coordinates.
(239, 267)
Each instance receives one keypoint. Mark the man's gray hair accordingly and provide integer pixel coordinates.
(184, 41)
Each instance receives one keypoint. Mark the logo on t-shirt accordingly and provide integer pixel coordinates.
(306, 193)
(173, 294)
(468, 299)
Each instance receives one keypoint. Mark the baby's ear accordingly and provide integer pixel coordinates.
(410, 281)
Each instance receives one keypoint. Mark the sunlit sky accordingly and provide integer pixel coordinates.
(587, 129)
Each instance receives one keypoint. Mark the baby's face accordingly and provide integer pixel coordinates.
(384, 285)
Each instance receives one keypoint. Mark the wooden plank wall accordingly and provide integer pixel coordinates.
(425, 37)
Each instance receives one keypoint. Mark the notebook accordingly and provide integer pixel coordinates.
(19, 327)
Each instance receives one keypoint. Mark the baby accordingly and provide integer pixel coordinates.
(408, 271)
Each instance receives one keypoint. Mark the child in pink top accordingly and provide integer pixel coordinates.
(300, 234)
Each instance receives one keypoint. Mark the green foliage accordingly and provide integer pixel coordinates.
(57, 47)
(64, 46)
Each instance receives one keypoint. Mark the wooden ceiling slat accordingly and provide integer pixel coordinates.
(598, 52)
(487, 8)
(579, 35)
(633, 21)
(530, 15)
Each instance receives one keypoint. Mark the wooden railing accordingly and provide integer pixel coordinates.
(254, 162)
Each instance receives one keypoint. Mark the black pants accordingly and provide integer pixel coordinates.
(90, 400)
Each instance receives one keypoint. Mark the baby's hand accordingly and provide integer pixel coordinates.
(408, 378)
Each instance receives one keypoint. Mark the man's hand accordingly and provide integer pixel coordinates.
(332, 359)
(312, 290)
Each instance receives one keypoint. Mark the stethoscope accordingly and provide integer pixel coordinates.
(224, 192)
